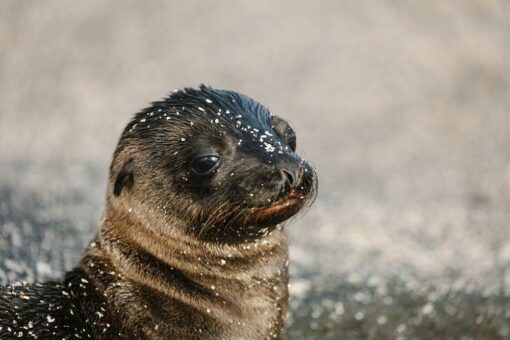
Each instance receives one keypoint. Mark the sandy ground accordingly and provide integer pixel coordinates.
(404, 108)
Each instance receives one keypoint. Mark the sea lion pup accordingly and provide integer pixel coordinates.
(191, 244)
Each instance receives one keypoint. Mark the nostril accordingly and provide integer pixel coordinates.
(290, 177)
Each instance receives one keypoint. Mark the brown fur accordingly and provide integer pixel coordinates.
(228, 292)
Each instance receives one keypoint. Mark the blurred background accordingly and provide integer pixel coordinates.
(403, 106)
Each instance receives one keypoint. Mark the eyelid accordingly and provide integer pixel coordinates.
(205, 153)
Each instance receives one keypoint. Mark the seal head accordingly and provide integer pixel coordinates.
(228, 164)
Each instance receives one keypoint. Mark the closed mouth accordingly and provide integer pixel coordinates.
(277, 211)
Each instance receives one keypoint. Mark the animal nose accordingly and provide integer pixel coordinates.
(290, 177)
(291, 172)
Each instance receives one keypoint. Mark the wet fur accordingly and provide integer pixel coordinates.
(172, 259)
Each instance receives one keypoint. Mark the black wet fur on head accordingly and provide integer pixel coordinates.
(256, 166)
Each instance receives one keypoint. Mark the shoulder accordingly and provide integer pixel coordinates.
(41, 310)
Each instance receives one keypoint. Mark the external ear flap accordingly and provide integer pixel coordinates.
(124, 178)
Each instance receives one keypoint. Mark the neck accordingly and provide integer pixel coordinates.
(225, 291)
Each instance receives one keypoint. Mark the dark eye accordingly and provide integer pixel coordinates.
(205, 165)
(292, 143)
